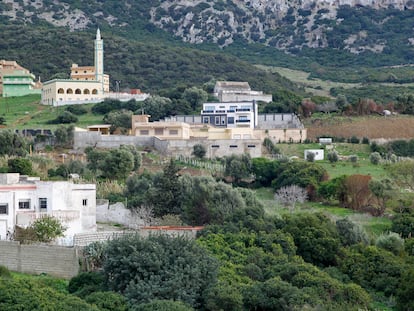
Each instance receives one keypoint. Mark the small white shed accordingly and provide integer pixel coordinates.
(319, 153)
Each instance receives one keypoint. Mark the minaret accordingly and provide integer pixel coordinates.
(99, 57)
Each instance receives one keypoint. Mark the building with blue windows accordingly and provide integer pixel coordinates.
(230, 115)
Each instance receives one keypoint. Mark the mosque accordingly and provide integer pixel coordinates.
(87, 84)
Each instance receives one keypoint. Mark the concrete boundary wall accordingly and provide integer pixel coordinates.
(36, 259)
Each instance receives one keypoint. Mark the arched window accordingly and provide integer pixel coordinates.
(86, 91)
(78, 91)
(61, 91)
(94, 91)
(69, 91)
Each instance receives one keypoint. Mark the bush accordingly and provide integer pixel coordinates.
(310, 156)
(76, 109)
(159, 267)
(353, 158)
(64, 118)
(333, 156)
(4, 272)
(162, 305)
(353, 140)
(86, 283)
(392, 242)
(199, 151)
(350, 233)
(365, 140)
(47, 228)
(107, 301)
(20, 165)
(375, 158)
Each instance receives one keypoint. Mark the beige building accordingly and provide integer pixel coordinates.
(88, 84)
(173, 130)
(161, 129)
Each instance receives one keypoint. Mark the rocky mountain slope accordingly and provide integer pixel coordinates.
(289, 25)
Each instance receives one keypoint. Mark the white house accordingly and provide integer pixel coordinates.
(24, 199)
(232, 114)
(229, 91)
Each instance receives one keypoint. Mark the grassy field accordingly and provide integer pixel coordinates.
(26, 112)
(317, 87)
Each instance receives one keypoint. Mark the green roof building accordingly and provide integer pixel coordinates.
(20, 82)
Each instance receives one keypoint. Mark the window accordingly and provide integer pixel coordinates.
(143, 132)
(4, 209)
(205, 120)
(230, 120)
(217, 120)
(173, 132)
(85, 202)
(233, 146)
(215, 146)
(24, 204)
(159, 131)
(251, 146)
(209, 109)
(42, 203)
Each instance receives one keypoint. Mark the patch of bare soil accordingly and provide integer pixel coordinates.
(390, 127)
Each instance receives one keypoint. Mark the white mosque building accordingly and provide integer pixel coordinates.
(87, 84)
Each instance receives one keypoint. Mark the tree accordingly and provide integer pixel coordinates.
(195, 97)
(205, 201)
(135, 153)
(117, 164)
(164, 196)
(12, 144)
(307, 175)
(156, 106)
(358, 195)
(402, 173)
(315, 236)
(238, 167)
(290, 195)
(375, 158)
(199, 151)
(350, 233)
(20, 165)
(120, 119)
(383, 191)
(333, 156)
(405, 299)
(392, 242)
(159, 267)
(64, 136)
(47, 228)
(264, 170)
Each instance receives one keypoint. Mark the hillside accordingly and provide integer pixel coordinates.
(332, 32)
(49, 53)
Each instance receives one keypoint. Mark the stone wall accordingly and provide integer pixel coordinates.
(117, 213)
(83, 139)
(36, 259)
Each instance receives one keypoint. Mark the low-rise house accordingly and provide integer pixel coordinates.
(16, 80)
(24, 199)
